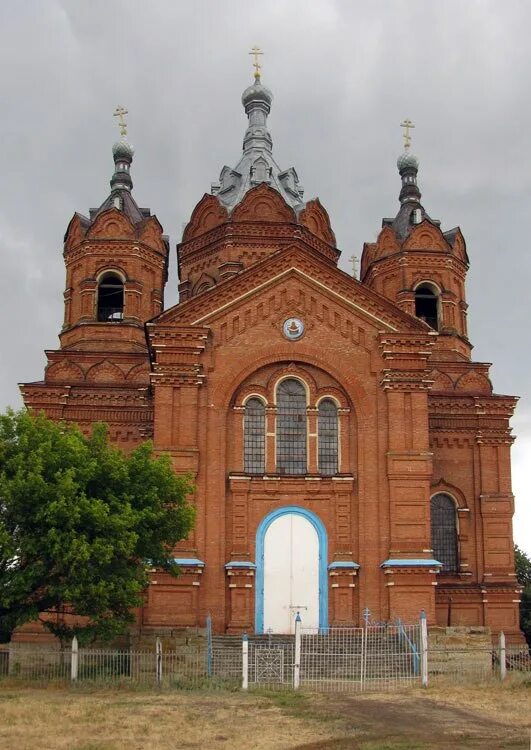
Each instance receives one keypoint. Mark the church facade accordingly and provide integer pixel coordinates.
(348, 454)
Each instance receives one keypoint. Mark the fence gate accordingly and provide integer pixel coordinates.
(338, 659)
(271, 662)
(357, 659)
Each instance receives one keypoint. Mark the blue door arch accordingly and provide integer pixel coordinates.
(323, 562)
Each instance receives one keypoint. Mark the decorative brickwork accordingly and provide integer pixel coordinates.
(415, 416)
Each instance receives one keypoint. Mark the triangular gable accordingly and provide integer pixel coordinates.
(426, 236)
(292, 260)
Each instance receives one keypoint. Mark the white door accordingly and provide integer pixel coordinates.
(291, 574)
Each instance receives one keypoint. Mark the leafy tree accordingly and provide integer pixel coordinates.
(80, 522)
(523, 575)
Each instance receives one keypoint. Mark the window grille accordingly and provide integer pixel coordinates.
(444, 532)
(291, 427)
(327, 435)
(110, 299)
(254, 437)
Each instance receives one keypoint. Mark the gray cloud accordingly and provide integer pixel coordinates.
(344, 75)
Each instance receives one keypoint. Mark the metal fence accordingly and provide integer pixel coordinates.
(359, 659)
(374, 657)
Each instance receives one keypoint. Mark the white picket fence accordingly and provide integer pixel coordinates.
(374, 657)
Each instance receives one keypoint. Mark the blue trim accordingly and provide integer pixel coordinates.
(191, 562)
(412, 647)
(323, 560)
(240, 564)
(343, 564)
(416, 563)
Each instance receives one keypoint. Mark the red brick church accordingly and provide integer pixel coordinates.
(347, 452)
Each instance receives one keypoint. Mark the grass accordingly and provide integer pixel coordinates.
(489, 717)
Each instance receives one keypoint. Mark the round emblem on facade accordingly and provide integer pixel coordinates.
(293, 329)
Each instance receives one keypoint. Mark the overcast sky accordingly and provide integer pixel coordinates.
(343, 74)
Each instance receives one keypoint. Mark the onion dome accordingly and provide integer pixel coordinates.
(407, 160)
(122, 149)
(122, 153)
(256, 93)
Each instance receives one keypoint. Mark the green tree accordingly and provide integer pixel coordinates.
(523, 575)
(80, 523)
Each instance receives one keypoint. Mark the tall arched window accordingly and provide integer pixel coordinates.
(426, 305)
(254, 437)
(327, 436)
(110, 298)
(444, 532)
(291, 427)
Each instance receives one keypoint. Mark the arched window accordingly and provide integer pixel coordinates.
(291, 427)
(444, 532)
(426, 305)
(110, 298)
(327, 436)
(254, 437)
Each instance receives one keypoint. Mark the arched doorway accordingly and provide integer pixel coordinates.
(291, 571)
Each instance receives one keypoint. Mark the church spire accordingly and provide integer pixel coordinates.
(121, 183)
(411, 211)
(256, 100)
(257, 163)
(408, 166)
(122, 153)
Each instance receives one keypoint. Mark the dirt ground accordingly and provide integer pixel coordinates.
(440, 718)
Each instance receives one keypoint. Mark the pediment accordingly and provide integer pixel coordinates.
(426, 236)
(64, 372)
(113, 224)
(75, 232)
(315, 218)
(459, 246)
(208, 214)
(297, 281)
(150, 231)
(263, 203)
(473, 382)
(105, 372)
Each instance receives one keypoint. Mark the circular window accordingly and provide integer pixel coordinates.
(293, 328)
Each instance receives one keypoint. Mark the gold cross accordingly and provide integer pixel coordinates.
(256, 52)
(119, 113)
(354, 260)
(407, 125)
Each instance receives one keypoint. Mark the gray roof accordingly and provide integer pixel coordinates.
(408, 214)
(121, 185)
(257, 164)
(127, 205)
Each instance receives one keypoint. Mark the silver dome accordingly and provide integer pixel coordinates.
(407, 159)
(257, 92)
(123, 149)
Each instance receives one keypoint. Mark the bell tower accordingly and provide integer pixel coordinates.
(422, 269)
(116, 267)
(418, 266)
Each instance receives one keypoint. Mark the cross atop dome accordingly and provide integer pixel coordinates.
(407, 125)
(256, 52)
(257, 163)
(120, 112)
(121, 181)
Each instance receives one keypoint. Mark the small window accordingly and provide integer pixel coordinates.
(426, 304)
(254, 437)
(110, 299)
(327, 437)
(444, 532)
(291, 427)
